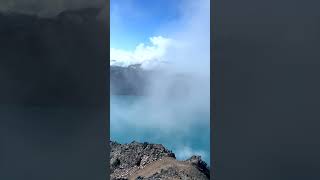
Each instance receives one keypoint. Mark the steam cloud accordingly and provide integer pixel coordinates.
(187, 50)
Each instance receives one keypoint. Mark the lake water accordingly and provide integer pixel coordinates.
(179, 128)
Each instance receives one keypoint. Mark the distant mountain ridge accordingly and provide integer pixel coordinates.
(135, 80)
(131, 80)
(147, 64)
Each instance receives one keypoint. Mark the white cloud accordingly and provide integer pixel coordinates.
(142, 54)
(190, 50)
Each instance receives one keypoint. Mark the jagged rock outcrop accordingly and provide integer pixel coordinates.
(153, 161)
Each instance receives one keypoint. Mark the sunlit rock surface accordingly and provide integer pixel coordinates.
(153, 161)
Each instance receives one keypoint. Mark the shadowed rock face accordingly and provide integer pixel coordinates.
(153, 161)
(134, 80)
(53, 61)
(131, 80)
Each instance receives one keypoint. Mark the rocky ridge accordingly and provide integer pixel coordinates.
(153, 161)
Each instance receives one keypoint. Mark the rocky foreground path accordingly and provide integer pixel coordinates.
(153, 161)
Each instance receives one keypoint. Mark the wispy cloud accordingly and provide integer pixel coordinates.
(184, 152)
(186, 45)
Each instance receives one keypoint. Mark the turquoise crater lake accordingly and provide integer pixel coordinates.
(184, 131)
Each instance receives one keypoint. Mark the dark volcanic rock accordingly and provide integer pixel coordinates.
(153, 161)
(129, 80)
(200, 164)
(130, 157)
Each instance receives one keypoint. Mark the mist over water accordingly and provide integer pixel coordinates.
(175, 110)
(133, 118)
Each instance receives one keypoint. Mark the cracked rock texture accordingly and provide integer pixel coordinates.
(153, 161)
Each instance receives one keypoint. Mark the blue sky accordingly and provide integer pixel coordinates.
(135, 21)
(147, 32)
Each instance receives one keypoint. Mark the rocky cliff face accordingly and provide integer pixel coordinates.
(129, 80)
(153, 161)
